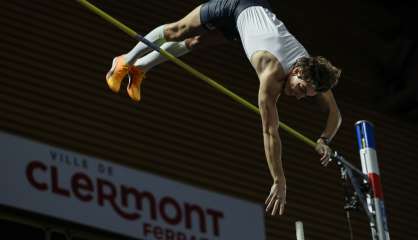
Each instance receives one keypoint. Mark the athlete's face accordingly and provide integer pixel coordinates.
(295, 86)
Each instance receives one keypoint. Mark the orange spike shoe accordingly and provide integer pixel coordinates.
(117, 73)
(136, 76)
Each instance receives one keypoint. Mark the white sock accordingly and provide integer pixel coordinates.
(156, 36)
(154, 58)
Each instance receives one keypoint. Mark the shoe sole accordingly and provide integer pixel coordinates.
(109, 79)
(130, 94)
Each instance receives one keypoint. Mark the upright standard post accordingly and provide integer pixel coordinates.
(370, 166)
(300, 235)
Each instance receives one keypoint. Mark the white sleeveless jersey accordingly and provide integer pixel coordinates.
(260, 30)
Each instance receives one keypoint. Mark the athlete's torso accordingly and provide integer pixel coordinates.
(258, 28)
(261, 30)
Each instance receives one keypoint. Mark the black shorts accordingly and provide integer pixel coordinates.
(223, 14)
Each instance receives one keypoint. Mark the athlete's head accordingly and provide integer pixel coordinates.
(310, 75)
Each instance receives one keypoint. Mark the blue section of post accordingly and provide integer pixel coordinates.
(365, 134)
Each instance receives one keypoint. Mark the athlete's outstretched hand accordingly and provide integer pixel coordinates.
(277, 197)
(325, 151)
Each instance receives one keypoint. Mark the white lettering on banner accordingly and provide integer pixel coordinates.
(101, 194)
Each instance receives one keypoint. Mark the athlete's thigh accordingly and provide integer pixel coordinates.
(190, 25)
(206, 39)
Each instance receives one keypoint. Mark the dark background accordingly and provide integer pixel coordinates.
(55, 54)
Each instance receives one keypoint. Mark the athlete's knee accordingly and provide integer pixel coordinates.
(193, 42)
(175, 32)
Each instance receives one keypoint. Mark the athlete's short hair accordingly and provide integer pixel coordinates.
(318, 71)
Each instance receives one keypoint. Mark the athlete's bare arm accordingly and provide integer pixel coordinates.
(270, 74)
(328, 103)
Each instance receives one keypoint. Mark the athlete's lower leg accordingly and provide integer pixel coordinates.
(144, 64)
(154, 58)
(156, 36)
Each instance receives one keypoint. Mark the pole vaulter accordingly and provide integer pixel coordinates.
(283, 67)
(373, 206)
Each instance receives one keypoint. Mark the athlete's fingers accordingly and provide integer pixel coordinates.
(268, 198)
(270, 205)
(276, 206)
(282, 207)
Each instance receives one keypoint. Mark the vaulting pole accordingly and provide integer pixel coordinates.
(190, 69)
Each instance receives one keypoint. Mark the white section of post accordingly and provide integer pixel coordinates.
(300, 235)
